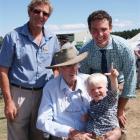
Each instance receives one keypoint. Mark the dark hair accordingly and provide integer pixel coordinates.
(99, 15)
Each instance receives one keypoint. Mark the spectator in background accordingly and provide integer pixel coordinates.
(26, 51)
(65, 42)
(63, 39)
(137, 53)
(114, 50)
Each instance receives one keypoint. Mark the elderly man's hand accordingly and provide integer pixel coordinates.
(113, 135)
(77, 135)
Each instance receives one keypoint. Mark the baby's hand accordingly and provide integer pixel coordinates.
(113, 72)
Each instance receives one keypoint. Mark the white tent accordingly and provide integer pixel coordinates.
(134, 41)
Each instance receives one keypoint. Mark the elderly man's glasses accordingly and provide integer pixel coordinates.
(37, 11)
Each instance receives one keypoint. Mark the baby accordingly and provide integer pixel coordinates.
(102, 115)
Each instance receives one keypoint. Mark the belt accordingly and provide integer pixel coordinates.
(18, 86)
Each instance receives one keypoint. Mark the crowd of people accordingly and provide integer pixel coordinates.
(87, 97)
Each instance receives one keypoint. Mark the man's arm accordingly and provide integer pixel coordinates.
(46, 115)
(137, 53)
(129, 72)
(10, 108)
(121, 112)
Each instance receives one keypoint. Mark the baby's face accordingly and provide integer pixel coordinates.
(97, 92)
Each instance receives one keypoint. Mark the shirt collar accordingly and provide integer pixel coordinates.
(108, 47)
(64, 86)
(25, 31)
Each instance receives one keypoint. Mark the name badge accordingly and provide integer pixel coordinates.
(45, 49)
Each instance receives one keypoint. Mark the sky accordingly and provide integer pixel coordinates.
(71, 15)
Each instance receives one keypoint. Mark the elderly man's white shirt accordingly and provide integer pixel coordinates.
(61, 109)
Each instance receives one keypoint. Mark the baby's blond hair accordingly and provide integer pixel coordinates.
(95, 78)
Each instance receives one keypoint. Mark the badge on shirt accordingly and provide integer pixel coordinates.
(45, 49)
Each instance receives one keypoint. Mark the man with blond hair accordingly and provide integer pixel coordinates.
(25, 53)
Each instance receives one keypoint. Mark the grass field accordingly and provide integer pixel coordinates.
(3, 133)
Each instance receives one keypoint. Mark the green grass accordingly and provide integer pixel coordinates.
(3, 131)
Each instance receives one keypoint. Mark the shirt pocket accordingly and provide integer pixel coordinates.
(45, 56)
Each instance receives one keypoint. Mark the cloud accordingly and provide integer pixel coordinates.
(67, 28)
(121, 25)
(118, 25)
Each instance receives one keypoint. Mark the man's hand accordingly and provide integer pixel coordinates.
(121, 111)
(122, 118)
(77, 135)
(10, 110)
(113, 135)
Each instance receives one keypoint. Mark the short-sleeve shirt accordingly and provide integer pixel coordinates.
(27, 60)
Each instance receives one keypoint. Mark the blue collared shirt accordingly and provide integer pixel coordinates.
(25, 59)
(120, 54)
(61, 109)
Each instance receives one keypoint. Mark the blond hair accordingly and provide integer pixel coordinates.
(96, 78)
(33, 3)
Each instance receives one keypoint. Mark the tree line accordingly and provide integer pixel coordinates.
(127, 34)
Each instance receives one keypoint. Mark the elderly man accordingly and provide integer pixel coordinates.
(65, 100)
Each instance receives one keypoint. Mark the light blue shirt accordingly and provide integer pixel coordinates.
(120, 54)
(26, 59)
(61, 109)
